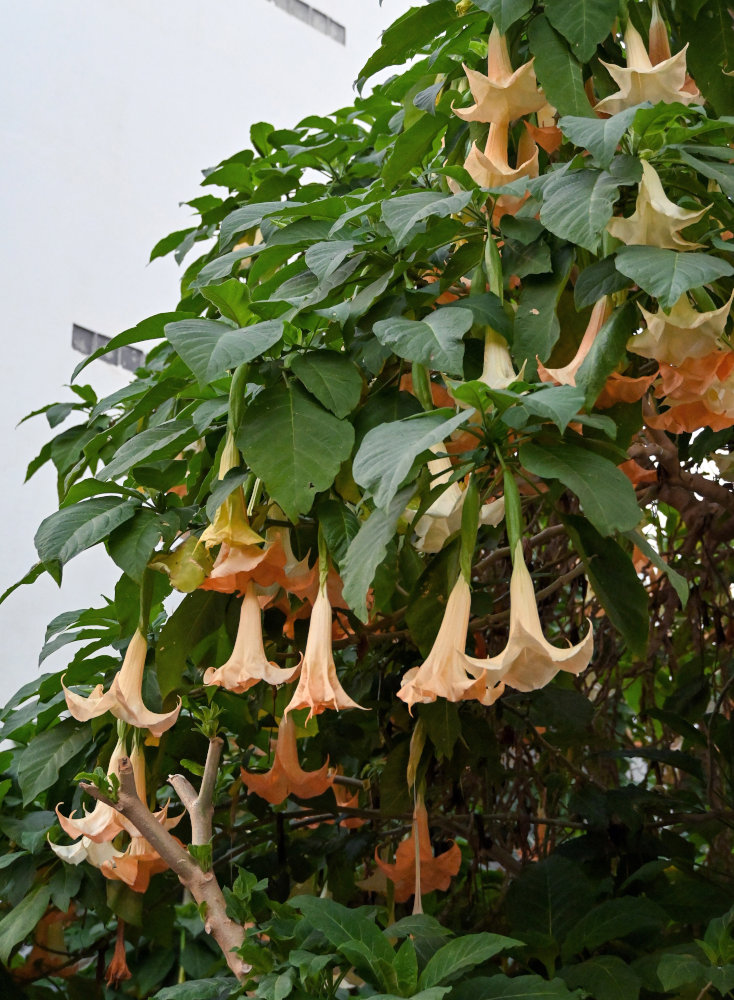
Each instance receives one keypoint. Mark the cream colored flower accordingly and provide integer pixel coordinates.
(498, 371)
(640, 80)
(491, 168)
(656, 221)
(529, 661)
(503, 94)
(85, 850)
(248, 663)
(230, 524)
(682, 333)
(567, 374)
(125, 696)
(445, 673)
(319, 687)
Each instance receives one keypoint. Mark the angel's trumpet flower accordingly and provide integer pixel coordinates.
(230, 525)
(491, 168)
(671, 338)
(529, 661)
(125, 696)
(286, 776)
(567, 374)
(498, 371)
(648, 79)
(104, 822)
(503, 94)
(319, 687)
(445, 673)
(656, 220)
(416, 853)
(248, 663)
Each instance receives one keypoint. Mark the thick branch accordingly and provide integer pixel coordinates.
(200, 807)
(203, 886)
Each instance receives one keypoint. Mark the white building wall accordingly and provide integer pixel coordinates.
(110, 110)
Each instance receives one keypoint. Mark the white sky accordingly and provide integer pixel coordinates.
(110, 111)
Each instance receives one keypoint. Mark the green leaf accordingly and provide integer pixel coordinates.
(505, 12)
(559, 403)
(169, 243)
(584, 23)
(31, 576)
(198, 989)
(711, 52)
(675, 971)
(389, 450)
(71, 530)
(407, 35)
(368, 550)
(605, 977)
(435, 341)
(165, 440)
(294, 445)
(519, 988)
(131, 545)
(677, 581)
(232, 299)
(339, 525)
(210, 347)
(558, 70)
(463, 953)
(149, 329)
(443, 725)
(402, 214)
(196, 617)
(577, 205)
(487, 310)
(614, 919)
(406, 968)
(548, 898)
(667, 274)
(601, 278)
(249, 216)
(21, 920)
(326, 257)
(332, 378)
(606, 351)
(599, 135)
(614, 580)
(411, 148)
(606, 494)
(41, 761)
(536, 323)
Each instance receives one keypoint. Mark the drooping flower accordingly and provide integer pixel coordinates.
(503, 94)
(104, 822)
(644, 80)
(491, 168)
(248, 663)
(497, 371)
(656, 220)
(230, 525)
(318, 686)
(236, 566)
(414, 851)
(117, 971)
(529, 661)
(445, 673)
(682, 333)
(546, 133)
(286, 776)
(699, 393)
(567, 374)
(85, 850)
(125, 697)
(623, 389)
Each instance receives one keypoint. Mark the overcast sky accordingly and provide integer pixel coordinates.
(110, 112)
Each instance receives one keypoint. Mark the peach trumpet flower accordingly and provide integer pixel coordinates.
(445, 673)
(491, 168)
(104, 822)
(414, 852)
(117, 970)
(230, 525)
(286, 777)
(319, 687)
(248, 663)
(125, 697)
(699, 392)
(567, 374)
(671, 338)
(529, 661)
(643, 79)
(656, 220)
(503, 94)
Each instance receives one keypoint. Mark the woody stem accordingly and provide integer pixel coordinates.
(203, 886)
(200, 807)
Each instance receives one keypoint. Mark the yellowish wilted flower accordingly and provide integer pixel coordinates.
(656, 221)
(682, 333)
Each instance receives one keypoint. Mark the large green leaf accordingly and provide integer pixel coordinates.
(605, 977)
(613, 919)
(435, 341)
(389, 450)
(677, 581)
(601, 278)
(606, 494)
(411, 148)
(332, 378)
(548, 898)
(505, 12)
(71, 530)
(210, 347)
(294, 445)
(40, 762)
(536, 323)
(152, 328)
(367, 550)
(606, 351)
(614, 580)
(403, 213)
(558, 70)
(599, 135)
(667, 274)
(21, 920)
(577, 205)
(711, 51)
(519, 988)
(407, 35)
(196, 617)
(463, 953)
(162, 441)
(198, 989)
(131, 544)
(583, 23)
